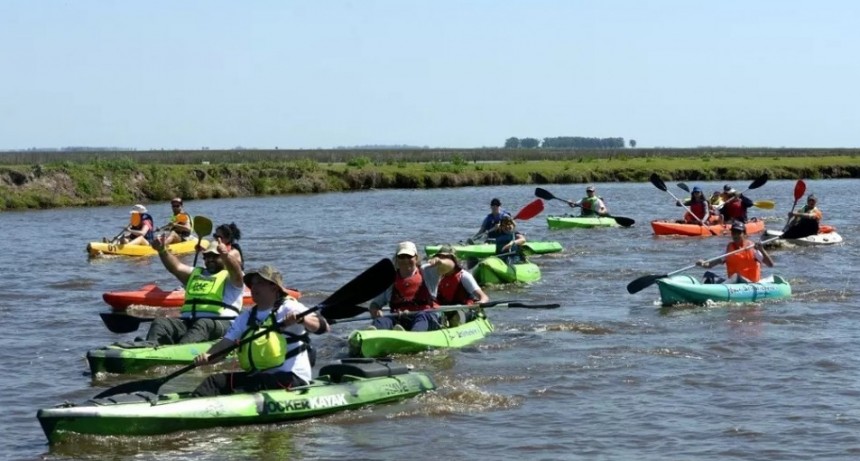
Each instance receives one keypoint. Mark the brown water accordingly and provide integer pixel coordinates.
(607, 376)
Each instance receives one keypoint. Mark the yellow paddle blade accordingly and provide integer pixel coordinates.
(764, 204)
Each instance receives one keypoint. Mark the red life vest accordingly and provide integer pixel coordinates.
(734, 210)
(410, 294)
(451, 290)
(699, 209)
(743, 263)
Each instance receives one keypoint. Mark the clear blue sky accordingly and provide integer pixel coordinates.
(438, 73)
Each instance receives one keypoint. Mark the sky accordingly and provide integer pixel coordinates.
(460, 74)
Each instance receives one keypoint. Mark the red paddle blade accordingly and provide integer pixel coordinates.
(799, 189)
(530, 211)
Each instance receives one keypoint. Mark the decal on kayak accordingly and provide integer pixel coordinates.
(271, 407)
(737, 288)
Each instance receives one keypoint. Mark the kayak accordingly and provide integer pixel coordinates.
(101, 248)
(137, 356)
(348, 385)
(579, 222)
(683, 289)
(827, 236)
(151, 295)
(380, 343)
(493, 270)
(663, 227)
(482, 250)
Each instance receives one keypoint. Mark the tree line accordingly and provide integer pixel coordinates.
(567, 142)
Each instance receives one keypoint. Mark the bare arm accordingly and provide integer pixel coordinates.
(206, 357)
(171, 262)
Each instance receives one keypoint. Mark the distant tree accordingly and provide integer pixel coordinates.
(512, 143)
(529, 143)
(632, 143)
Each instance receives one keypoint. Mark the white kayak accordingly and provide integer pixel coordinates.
(821, 238)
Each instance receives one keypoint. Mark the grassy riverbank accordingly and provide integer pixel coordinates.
(119, 180)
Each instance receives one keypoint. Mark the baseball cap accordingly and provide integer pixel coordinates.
(739, 226)
(406, 248)
(590, 189)
(697, 189)
(176, 200)
(495, 202)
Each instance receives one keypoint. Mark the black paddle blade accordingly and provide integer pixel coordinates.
(624, 222)
(121, 323)
(544, 194)
(643, 282)
(657, 182)
(535, 306)
(758, 182)
(683, 187)
(373, 281)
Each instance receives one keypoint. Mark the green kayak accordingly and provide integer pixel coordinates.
(380, 343)
(579, 222)
(683, 289)
(493, 270)
(137, 356)
(489, 249)
(348, 385)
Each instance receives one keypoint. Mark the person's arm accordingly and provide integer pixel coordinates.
(519, 239)
(206, 357)
(232, 264)
(379, 302)
(765, 257)
(471, 286)
(442, 265)
(173, 265)
(142, 231)
(312, 322)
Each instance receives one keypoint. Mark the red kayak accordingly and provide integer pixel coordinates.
(754, 226)
(151, 295)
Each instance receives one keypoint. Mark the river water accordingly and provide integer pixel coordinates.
(608, 375)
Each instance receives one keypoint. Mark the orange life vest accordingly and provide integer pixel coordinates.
(410, 294)
(451, 291)
(743, 263)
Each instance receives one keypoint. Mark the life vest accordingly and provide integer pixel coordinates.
(184, 219)
(491, 221)
(270, 350)
(814, 210)
(136, 222)
(205, 293)
(589, 206)
(734, 210)
(451, 290)
(504, 239)
(698, 209)
(743, 263)
(410, 294)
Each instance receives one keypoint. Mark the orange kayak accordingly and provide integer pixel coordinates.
(662, 227)
(151, 295)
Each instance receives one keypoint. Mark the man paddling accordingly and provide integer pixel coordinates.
(457, 286)
(591, 204)
(735, 205)
(805, 221)
(744, 265)
(213, 291)
(490, 225)
(180, 225)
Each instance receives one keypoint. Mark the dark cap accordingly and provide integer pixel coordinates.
(697, 189)
(727, 188)
(812, 197)
(495, 202)
(739, 226)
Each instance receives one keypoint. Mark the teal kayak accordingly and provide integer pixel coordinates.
(137, 356)
(683, 289)
(348, 385)
(483, 250)
(493, 270)
(579, 222)
(380, 343)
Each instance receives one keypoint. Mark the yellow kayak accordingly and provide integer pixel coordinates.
(100, 248)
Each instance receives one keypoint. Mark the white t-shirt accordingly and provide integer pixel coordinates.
(300, 365)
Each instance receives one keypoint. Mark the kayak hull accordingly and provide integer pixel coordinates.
(138, 356)
(683, 289)
(820, 239)
(153, 296)
(494, 270)
(101, 248)
(340, 387)
(579, 222)
(663, 227)
(381, 343)
(484, 250)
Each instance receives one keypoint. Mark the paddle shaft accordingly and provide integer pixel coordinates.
(527, 212)
(662, 186)
(459, 307)
(547, 195)
(799, 190)
(124, 323)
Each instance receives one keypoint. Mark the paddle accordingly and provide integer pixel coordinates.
(114, 239)
(763, 204)
(457, 307)
(124, 323)
(758, 182)
(799, 190)
(340, 304)
(547, 195)
(202, 226)
(659, 184)
(648, 280)
(529, 211)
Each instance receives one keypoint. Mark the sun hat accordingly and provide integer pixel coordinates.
(212, 249)
(448, 252)
(590, 189)
(138, 209)
(495, 202)
(739, 226)
(406, 248)
(267, 273)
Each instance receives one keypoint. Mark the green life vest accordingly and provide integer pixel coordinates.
(267, 351)
(205, 293)
(589, 206)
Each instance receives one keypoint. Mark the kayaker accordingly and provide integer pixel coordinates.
(229, 235)
(591, 204)
(457, 285)
(509, 241)
(180, 224)
(141, 229)
(745, 266)
(490, 225)
(735, 205)
(805, 221)
(699, 207)
(413, 292)
(277, 360)
(216, 290)
(716, 199)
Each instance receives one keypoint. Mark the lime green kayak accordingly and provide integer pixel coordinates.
(579, 222)
(348, 385)
(137, 356)
(493, 270)
(483, 250)
(381, 343)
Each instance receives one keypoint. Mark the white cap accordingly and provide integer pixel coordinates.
(406, 248)
(138, 209)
